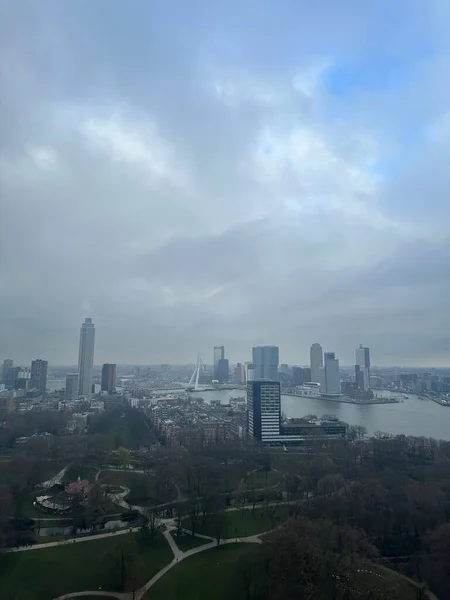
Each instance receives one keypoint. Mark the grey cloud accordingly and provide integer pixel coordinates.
(178, 173)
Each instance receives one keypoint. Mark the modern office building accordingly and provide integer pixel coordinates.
(71, 387)
(7, 364)
(86, 357)
(316, 361)
(263, 410)
(13, 374)
(264, 423)
(108, 378)
(330, 375)
(219, 354)
(39, 375)
(223, 370)
(239, 373)
(301, 375)
(265, 361)
(362, 367)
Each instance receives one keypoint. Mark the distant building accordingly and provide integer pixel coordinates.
(18, 378)
(7, 364)
(266, 360)
(86, 357)
(111, 402)
(298, 429)
(219, 354)
(7, 405)
(39, 375)
(316, 362)
(108, 378)
(250, 372)
(239, 373)
(362, 368)
(301, 376)
(263, 410)
(331, 375)
(71, 393)
(11, 376)
(223, 370)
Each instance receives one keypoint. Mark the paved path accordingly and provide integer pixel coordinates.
(178, 556)
(56, 479)
(120, 595)
(76, 540)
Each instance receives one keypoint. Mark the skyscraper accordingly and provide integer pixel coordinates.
(39, 374)
(219, 354)
(86, 357)
(108, 378)
(239, 373)
(332, 375)
(71, 387)
(7, 364)
(265, 361)
(263, 410)
(316, 362)
(362, 367)
(223, 370)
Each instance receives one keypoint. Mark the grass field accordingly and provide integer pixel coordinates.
(262, 479)
(218, 574)
(186, 541)
(51, 572)
(143, 488)
(210, 574)
(241, 523)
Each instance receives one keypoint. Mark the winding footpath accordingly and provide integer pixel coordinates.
(178, 556)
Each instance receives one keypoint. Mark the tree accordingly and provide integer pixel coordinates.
(302, 559)
(124, 457)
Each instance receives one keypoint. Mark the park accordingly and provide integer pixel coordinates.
(222, 519)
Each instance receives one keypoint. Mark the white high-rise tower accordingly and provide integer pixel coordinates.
(86, 358)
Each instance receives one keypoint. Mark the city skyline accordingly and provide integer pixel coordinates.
(298, 192)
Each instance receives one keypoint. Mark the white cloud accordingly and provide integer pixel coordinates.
(43, 157)
(229, 197)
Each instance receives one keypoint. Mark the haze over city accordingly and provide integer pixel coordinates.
(268, 173)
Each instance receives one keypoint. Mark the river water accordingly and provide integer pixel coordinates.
(410, 417)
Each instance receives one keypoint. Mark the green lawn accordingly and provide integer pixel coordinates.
(262, 479)
(241, 523)
(187, 541)
(143, 488)
(219, 574)
(51, 572)
(210, 574)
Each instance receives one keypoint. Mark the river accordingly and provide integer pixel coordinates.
(410, 417)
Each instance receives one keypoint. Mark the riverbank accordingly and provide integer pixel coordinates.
(347, 400)
(440, 401)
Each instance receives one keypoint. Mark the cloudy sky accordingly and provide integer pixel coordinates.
(192, 173)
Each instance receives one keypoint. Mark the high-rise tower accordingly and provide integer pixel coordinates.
(39, 374)
(86, 357)
(316, 357)
(265, 361)
(362, 367)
